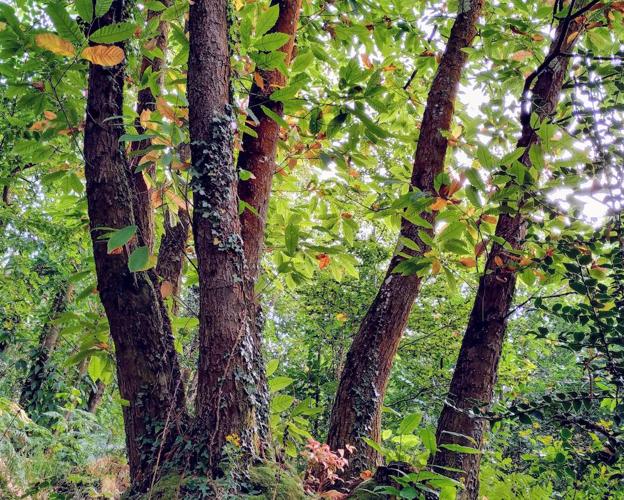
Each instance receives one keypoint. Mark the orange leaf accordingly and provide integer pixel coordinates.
(366, 474)
(521, 55)
(104, 55)
(144, 120)
(179, 202)
(166, 289)
(323, 260)
(366, 61)
(55, 44)
(49, 115)
(468, 261)
(498, 261)
(259, 80)
(439, 204)
(490, 219)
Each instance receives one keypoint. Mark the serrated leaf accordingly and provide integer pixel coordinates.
(85, 10)
(55, 44)
(104, 55)
(113, 33)
(65, 26)
(102, 7)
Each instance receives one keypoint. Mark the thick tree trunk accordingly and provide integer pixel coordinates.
(48, 340)
(228, 402)
(475, 372)
(147, 368)
(357, 408)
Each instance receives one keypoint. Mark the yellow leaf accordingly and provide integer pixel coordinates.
(468, 261)
(104, 55)
(342, 317)
(435, 266)
(3, 26)
(144, 120)
(54, 43)
(150, 156)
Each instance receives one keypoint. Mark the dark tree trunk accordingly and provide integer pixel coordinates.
(48, 340)
(357, 408)
(147, 367)
(475, 372)
(95, 396)
(228, 402)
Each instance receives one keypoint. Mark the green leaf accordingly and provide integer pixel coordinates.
(281, 403)
(375, 446)
(458, 448)
(65, 26)
(267, 20)
(96, 365)
(291, 238)
(429, 439)
(271, 367)
(120, 237)
(409, 423)
(102, 7)
(302, 61)
(274, 116)
(141, 260)
(85, 10)
(272, 41)
(113, 33)
(279, 383)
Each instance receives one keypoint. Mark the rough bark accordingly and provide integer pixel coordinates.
(146, 101)
(357, 408)
(48, 340)
(227, 398)
(147, 368)
(475, 372)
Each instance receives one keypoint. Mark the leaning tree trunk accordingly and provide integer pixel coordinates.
(475, 372)
(228, 402)
(147, 367)
(47, 343)
(357, 408)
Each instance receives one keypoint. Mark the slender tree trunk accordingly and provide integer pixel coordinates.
(48, 340)
(95, 397)
(146, 101)
(228, 402)
(147, 367)
(475, 372)
(357, 408)
(258, 157)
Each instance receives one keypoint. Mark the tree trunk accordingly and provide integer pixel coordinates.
(147, 367)
(95, 397)
(47, 343)
(475, 372)
(146, 101)
(228, 402)
(357, 408)
(258, 157)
